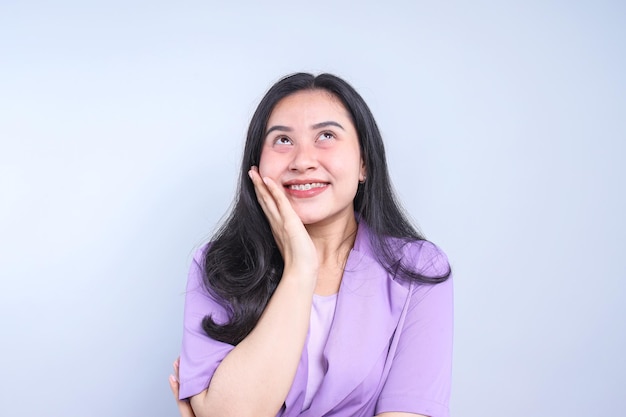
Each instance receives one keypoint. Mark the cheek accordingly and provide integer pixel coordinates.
(264, 164)
(347, 168)
(268, 166)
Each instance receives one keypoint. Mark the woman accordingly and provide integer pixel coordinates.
(316, 296)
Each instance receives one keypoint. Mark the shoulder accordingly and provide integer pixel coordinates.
(196, 269)
(201, 251)
(425, 258)
(417, 258)
(198, 297)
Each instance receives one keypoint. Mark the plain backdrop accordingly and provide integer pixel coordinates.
(121, 129)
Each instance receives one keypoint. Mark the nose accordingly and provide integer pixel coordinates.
(304, 158)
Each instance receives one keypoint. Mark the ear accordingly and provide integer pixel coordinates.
(362, 172)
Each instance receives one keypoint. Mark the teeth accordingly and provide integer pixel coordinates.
(304, 187)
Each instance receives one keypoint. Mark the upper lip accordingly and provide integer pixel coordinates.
(303, 181)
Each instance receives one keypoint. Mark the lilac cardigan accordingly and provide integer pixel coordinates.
(389, 348)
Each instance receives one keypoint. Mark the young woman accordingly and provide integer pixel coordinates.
(316, 297)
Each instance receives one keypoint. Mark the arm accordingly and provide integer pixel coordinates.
(255, 376)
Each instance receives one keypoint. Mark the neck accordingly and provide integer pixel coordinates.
(334, 241)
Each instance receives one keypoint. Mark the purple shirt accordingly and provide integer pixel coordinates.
(389, 347)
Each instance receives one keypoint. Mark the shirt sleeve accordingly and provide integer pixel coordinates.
(200, 355)
(420, 376)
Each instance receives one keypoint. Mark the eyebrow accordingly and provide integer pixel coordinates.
(315, 126)
(279, 128)
(326, 124)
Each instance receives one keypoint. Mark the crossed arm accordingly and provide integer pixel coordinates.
(184, 407)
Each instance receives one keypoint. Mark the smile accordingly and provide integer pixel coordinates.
(305, 187)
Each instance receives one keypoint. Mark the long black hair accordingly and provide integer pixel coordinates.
(243, 264)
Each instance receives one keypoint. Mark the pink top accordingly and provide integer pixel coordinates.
(322, 315)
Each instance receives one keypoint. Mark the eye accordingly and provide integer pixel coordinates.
(326, 136)
(282, 140)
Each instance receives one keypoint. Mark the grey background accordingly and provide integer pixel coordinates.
(121, 127)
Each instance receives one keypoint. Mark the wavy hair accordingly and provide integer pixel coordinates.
(243, 264)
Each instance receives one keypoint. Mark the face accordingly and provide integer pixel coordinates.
(311, 148)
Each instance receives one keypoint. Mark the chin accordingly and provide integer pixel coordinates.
(308, 216)
(310, 219)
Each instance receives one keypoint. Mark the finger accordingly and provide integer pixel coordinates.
(184, 407)
(264, 197)
(281, 201)
(259, 185)
(270, 191)
(291, 222)
(174, 386)
(177, 366)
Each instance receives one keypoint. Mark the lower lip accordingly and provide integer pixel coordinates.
(305, 193)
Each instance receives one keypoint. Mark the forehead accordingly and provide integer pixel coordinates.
(309, 106)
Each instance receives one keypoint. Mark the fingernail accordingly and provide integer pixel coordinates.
(250, 174)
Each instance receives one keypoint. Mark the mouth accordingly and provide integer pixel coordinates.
(306, 186)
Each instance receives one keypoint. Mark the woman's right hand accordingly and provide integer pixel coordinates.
(291, 236)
